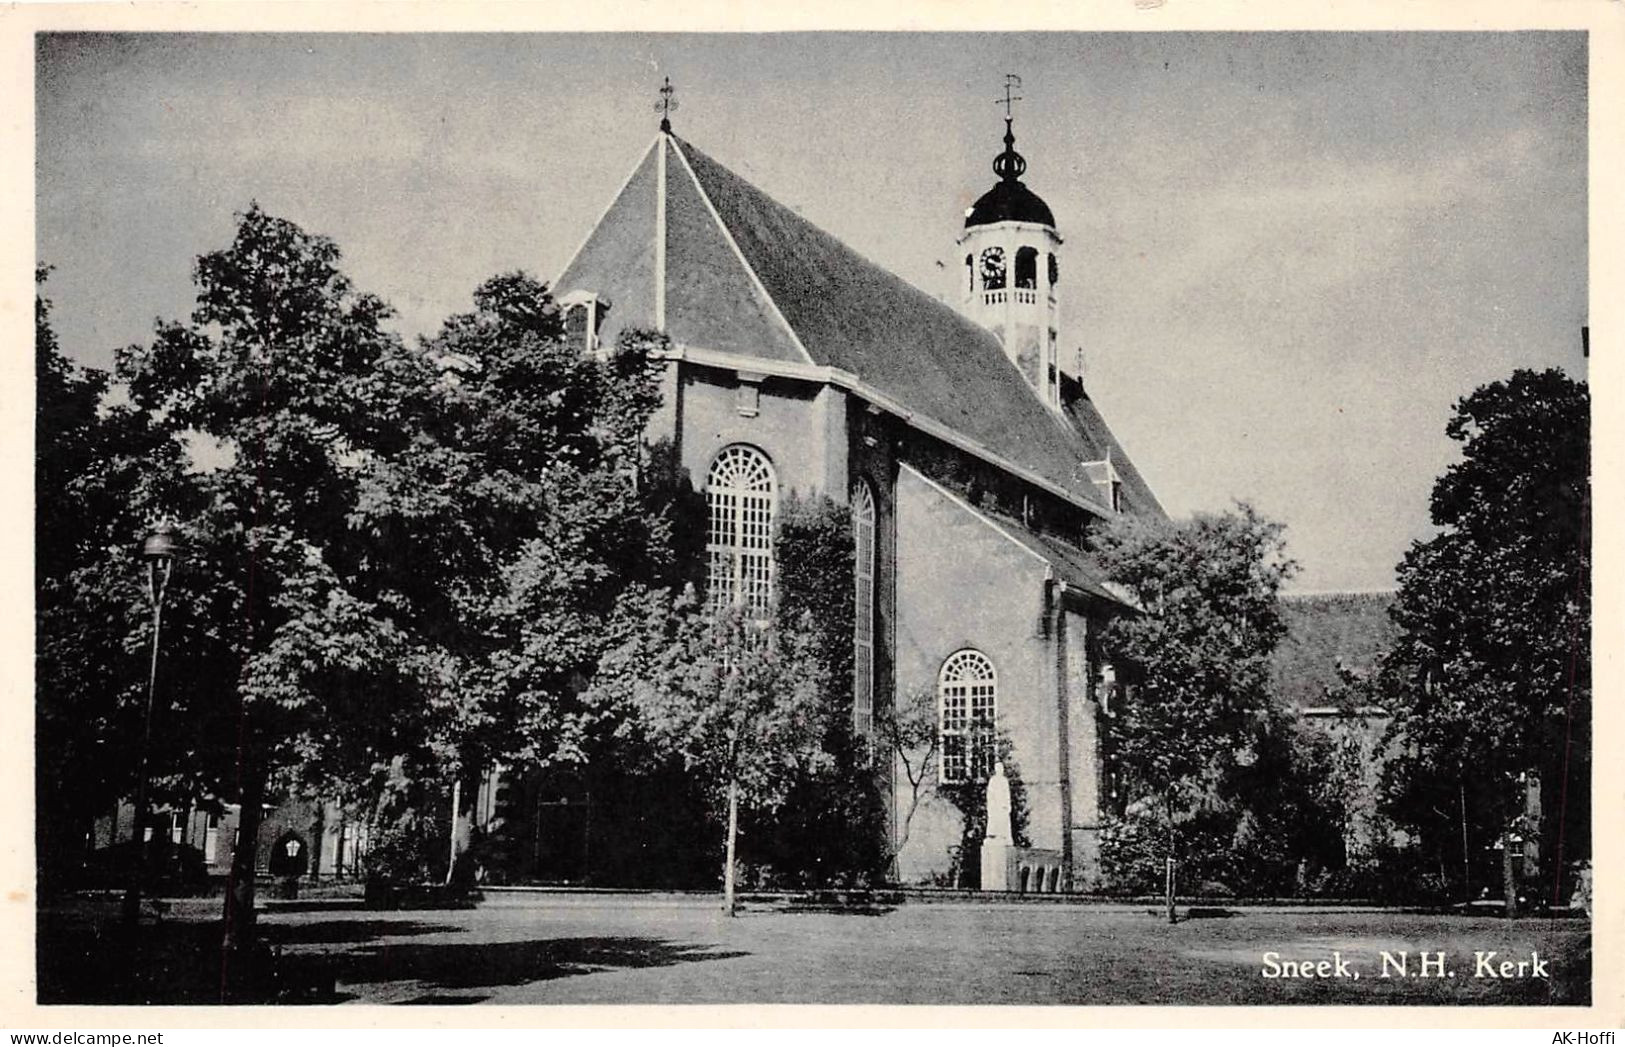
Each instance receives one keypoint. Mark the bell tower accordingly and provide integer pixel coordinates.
(1011, 267)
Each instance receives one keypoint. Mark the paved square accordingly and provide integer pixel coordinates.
(539, 949)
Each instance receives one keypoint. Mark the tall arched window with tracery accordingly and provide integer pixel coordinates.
(863, 616)
(741, 493)
(967, 710)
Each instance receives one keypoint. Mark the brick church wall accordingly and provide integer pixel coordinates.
(800, 426)
(961, 583)
(1085, 779)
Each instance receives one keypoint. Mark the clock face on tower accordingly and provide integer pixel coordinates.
(992, 268)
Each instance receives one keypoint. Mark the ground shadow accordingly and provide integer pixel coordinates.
(831, 908)
(338, 932)
(469, 966)
(99, 961)
(1208, 914)
(1195, 914)
(315, 905)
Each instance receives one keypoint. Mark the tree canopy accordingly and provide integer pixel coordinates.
(1493, 663)
(1197, 653)
(392, 551)
(738, 696)
(522, 508)
(91, 457)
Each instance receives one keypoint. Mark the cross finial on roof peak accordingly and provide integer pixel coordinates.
(666, 105)
(1012, 83)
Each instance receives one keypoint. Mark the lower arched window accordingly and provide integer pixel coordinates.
(967, 710)
(740, 493)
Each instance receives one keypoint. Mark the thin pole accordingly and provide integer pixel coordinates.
(733, 831)
(132, 896)
(1466, 863)
(1169, 883)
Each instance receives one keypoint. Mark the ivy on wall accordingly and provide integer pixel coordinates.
(831, 830)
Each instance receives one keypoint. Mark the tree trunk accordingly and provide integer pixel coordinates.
(728, 861)
(1172, 868)
(236, 961)
(459, 834)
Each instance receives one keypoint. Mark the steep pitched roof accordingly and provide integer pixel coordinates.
(696, 250)
(1091, 427)
(1069, 563)
(617, 260)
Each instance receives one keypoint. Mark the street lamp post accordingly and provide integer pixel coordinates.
(161, 549)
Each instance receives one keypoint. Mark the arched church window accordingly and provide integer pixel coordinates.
(967, 708)
(741, 494)
(1027, 267)
(863, 627)
(992, 268)
(1054, 270)
(970, 271)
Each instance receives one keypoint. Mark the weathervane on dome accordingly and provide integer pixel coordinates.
(1012, 82)
(666, 106)
(1009, 165)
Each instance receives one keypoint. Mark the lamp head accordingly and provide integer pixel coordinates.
(163, 545)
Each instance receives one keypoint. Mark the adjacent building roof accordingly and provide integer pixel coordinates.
(691, 248)
(1325, 631)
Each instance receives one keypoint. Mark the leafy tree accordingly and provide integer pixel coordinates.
(736, 697)
(1199, 649)
(830, 828)
(1493, 664)
(90, 630)
(908, 735)
(70, 444)
(287, 639)
(525, 504)
(393, 553)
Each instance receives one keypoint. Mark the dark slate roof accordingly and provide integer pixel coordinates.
(1072, 565)
(617, 261)
(711, 298)
(1091, 427)
(746, 275)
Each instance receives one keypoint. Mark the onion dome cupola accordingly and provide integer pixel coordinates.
(1011, 255)
(1009, 200)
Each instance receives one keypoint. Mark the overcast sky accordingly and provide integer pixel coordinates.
(1287, 255)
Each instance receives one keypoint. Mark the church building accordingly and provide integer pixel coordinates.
(963, 440)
